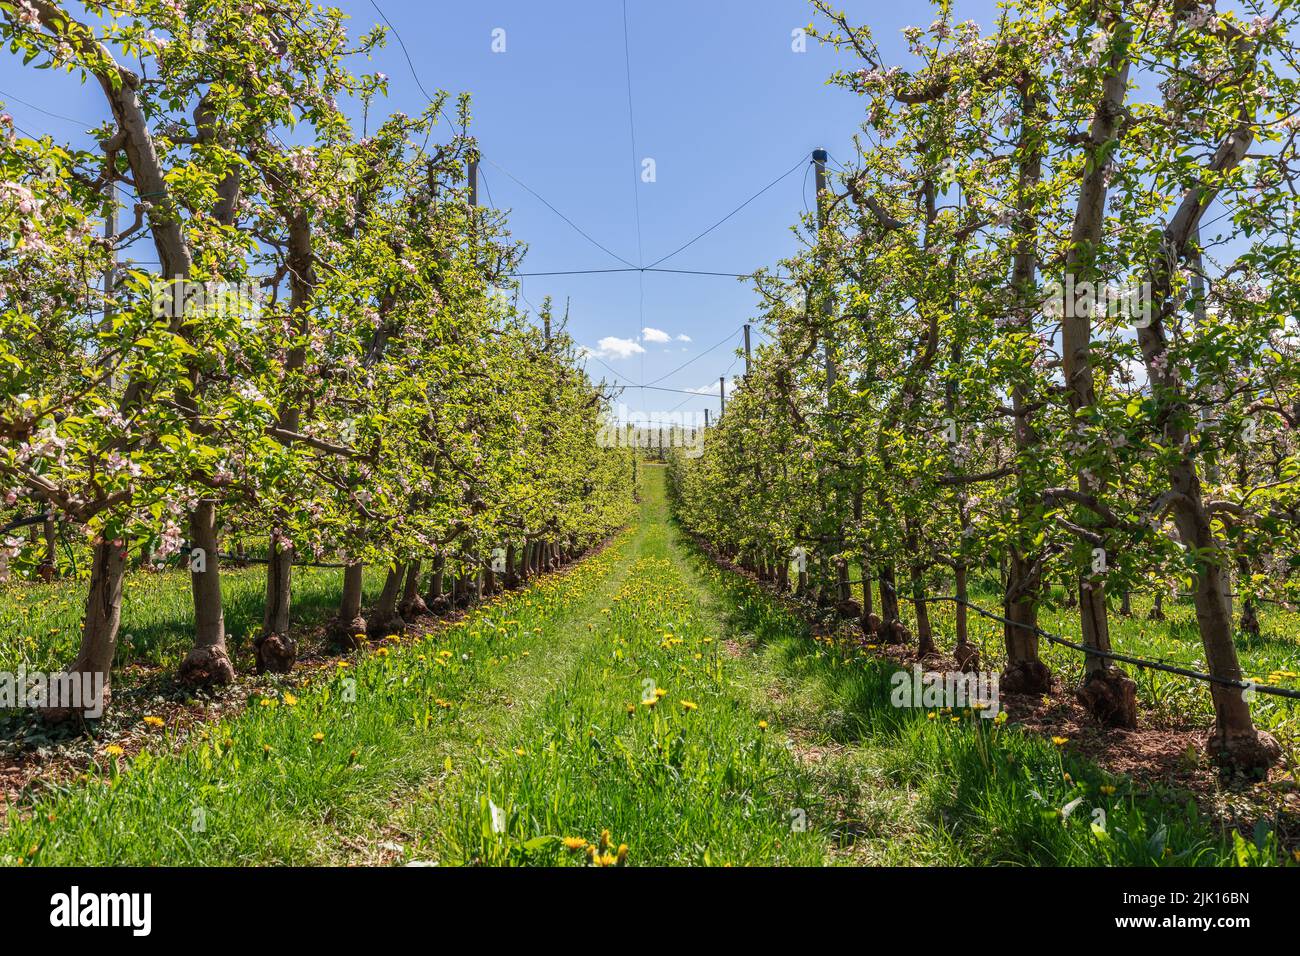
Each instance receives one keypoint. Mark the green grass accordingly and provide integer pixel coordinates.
(958, 788)
(40, 624)
(645, 738)
(263, 786)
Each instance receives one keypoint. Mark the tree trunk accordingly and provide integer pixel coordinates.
(50, 561)
(965, 653)
(348, 628)
(412, 605)
(1107, 693)
(94, 661)
(1025, 673)
(512, 573)
(924, 635)
(384, 619)
(435, 599)
(1234, 744)
(1157, 612)
(274, 650)
(208, 662)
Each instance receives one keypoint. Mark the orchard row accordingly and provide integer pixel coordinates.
(1044, 330)
(239, 316)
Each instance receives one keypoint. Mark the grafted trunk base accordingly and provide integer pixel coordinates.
(206, 667)
(275, 653)
(412, 609)
(967, 657)
(1245, 753)
(895, 632)
(1110, 696)
(57, 716)
(385, 625)
(1026, 677)
(348, 635)
(849, 609)
(1249, 619)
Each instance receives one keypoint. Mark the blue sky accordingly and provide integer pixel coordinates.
(720, 103)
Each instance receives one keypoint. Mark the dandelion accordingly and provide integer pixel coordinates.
(574, 844)
(689, 705)
(1060, 741)
(1107, 789)
(290, 699)
(649, 701)
(152, 721)
(762, 725)
(622, 854)
(113, 750)
(631, 709)
(318, 737)
(520, 752)
(604, 840)
(660, 692)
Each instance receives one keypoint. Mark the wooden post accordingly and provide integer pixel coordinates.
(746, 350)
(722, 394)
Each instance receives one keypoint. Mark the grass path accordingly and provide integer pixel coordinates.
(644, 707)
(704, 724)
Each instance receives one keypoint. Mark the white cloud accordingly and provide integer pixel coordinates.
(612, 347)
(683, 337)
(655, 335)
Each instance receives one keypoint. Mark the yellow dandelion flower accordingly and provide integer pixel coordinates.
(113, 750)
(690, 705)
(622, 854)
(574, 844)
(153, 721)
(289, 699)
(604, 839)
(1107, 789)
(649, 701)
(660, 692)
(1060, 741)
(318, 737)
(520, 752)
(762, 725)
